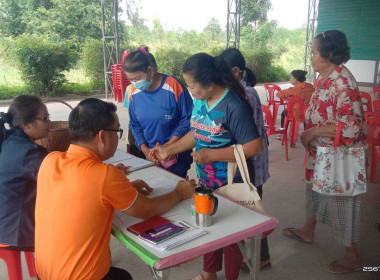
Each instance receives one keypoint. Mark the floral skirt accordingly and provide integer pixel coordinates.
(342, 213)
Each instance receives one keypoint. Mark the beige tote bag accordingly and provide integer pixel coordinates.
(243, 193)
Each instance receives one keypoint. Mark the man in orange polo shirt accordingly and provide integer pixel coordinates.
(77, 195)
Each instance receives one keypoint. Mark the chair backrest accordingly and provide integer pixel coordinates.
(374, 131)
(271, 89)
(268, 117)
(376, 91)
(301, 105)
(125, 53)
(376, 106)
(338, 133)
(366, 101)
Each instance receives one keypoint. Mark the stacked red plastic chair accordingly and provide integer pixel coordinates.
(119, 79)
(376, 106)
(374, 143)
(376, 91)
(13, 261)
(366, 101)
(271, 90)
(271, 129)
(294, 124)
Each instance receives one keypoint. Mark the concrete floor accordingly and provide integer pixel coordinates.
(284, 198)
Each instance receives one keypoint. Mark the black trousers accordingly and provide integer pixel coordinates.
(284, 114)
(117, 274)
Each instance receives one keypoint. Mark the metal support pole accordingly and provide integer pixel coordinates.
(312, 21)
(110, 36)
(160, 274)
(233, 23)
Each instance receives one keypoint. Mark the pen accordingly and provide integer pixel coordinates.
(187, 178)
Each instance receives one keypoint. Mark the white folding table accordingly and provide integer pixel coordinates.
(231, 224)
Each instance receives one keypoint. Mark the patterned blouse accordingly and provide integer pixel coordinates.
(260, 173)
(334, 100)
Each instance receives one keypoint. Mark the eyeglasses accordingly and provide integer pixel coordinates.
(46, 118)
(119, 131)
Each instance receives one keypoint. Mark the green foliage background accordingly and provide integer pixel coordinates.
(47, 40)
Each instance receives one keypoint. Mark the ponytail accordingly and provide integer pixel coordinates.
(227, 77)
(234, 58)
(206, 69)
(249, 77)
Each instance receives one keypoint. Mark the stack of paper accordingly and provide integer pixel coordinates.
(189, 234)
(133, 162)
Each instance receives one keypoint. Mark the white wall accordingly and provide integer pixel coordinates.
(363, 70)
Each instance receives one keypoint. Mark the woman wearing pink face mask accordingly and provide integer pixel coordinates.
(159, 108)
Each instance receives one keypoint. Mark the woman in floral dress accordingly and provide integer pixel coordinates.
(335, 99)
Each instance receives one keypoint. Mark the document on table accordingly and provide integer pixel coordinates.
(163, 185)
(133, 162)
(189, 234)
(118, 156)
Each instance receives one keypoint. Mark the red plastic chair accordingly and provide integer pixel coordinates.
(271, 90)
(376, 90)
(272, 129)
(369, 115)
(376, 106)
(294, 124)
(366, 101)
(119, 79)
(13, 261)
(374, 143)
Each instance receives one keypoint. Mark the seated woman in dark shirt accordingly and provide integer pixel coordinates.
(20, 159)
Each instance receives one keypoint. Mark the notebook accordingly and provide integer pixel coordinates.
(133, 162)
(161, 233)
(148, 224)
(189, 233)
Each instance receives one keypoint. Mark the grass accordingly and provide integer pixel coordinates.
(12, 84)
(10, 75)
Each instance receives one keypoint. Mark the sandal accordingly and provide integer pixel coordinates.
(337, 268)
(294, 235)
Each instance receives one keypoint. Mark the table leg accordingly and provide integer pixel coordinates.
(255, 248)
(160, 274)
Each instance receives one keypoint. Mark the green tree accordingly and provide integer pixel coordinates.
(254, 12)
(65, 19)
(42, 61)
(214, 29)
(14, 14)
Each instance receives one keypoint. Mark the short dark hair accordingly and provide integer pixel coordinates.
(234, 58)
(89, 117)
(24, 109)
(206, 69)
(139, 60)
(300, 75)
(333, 46)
